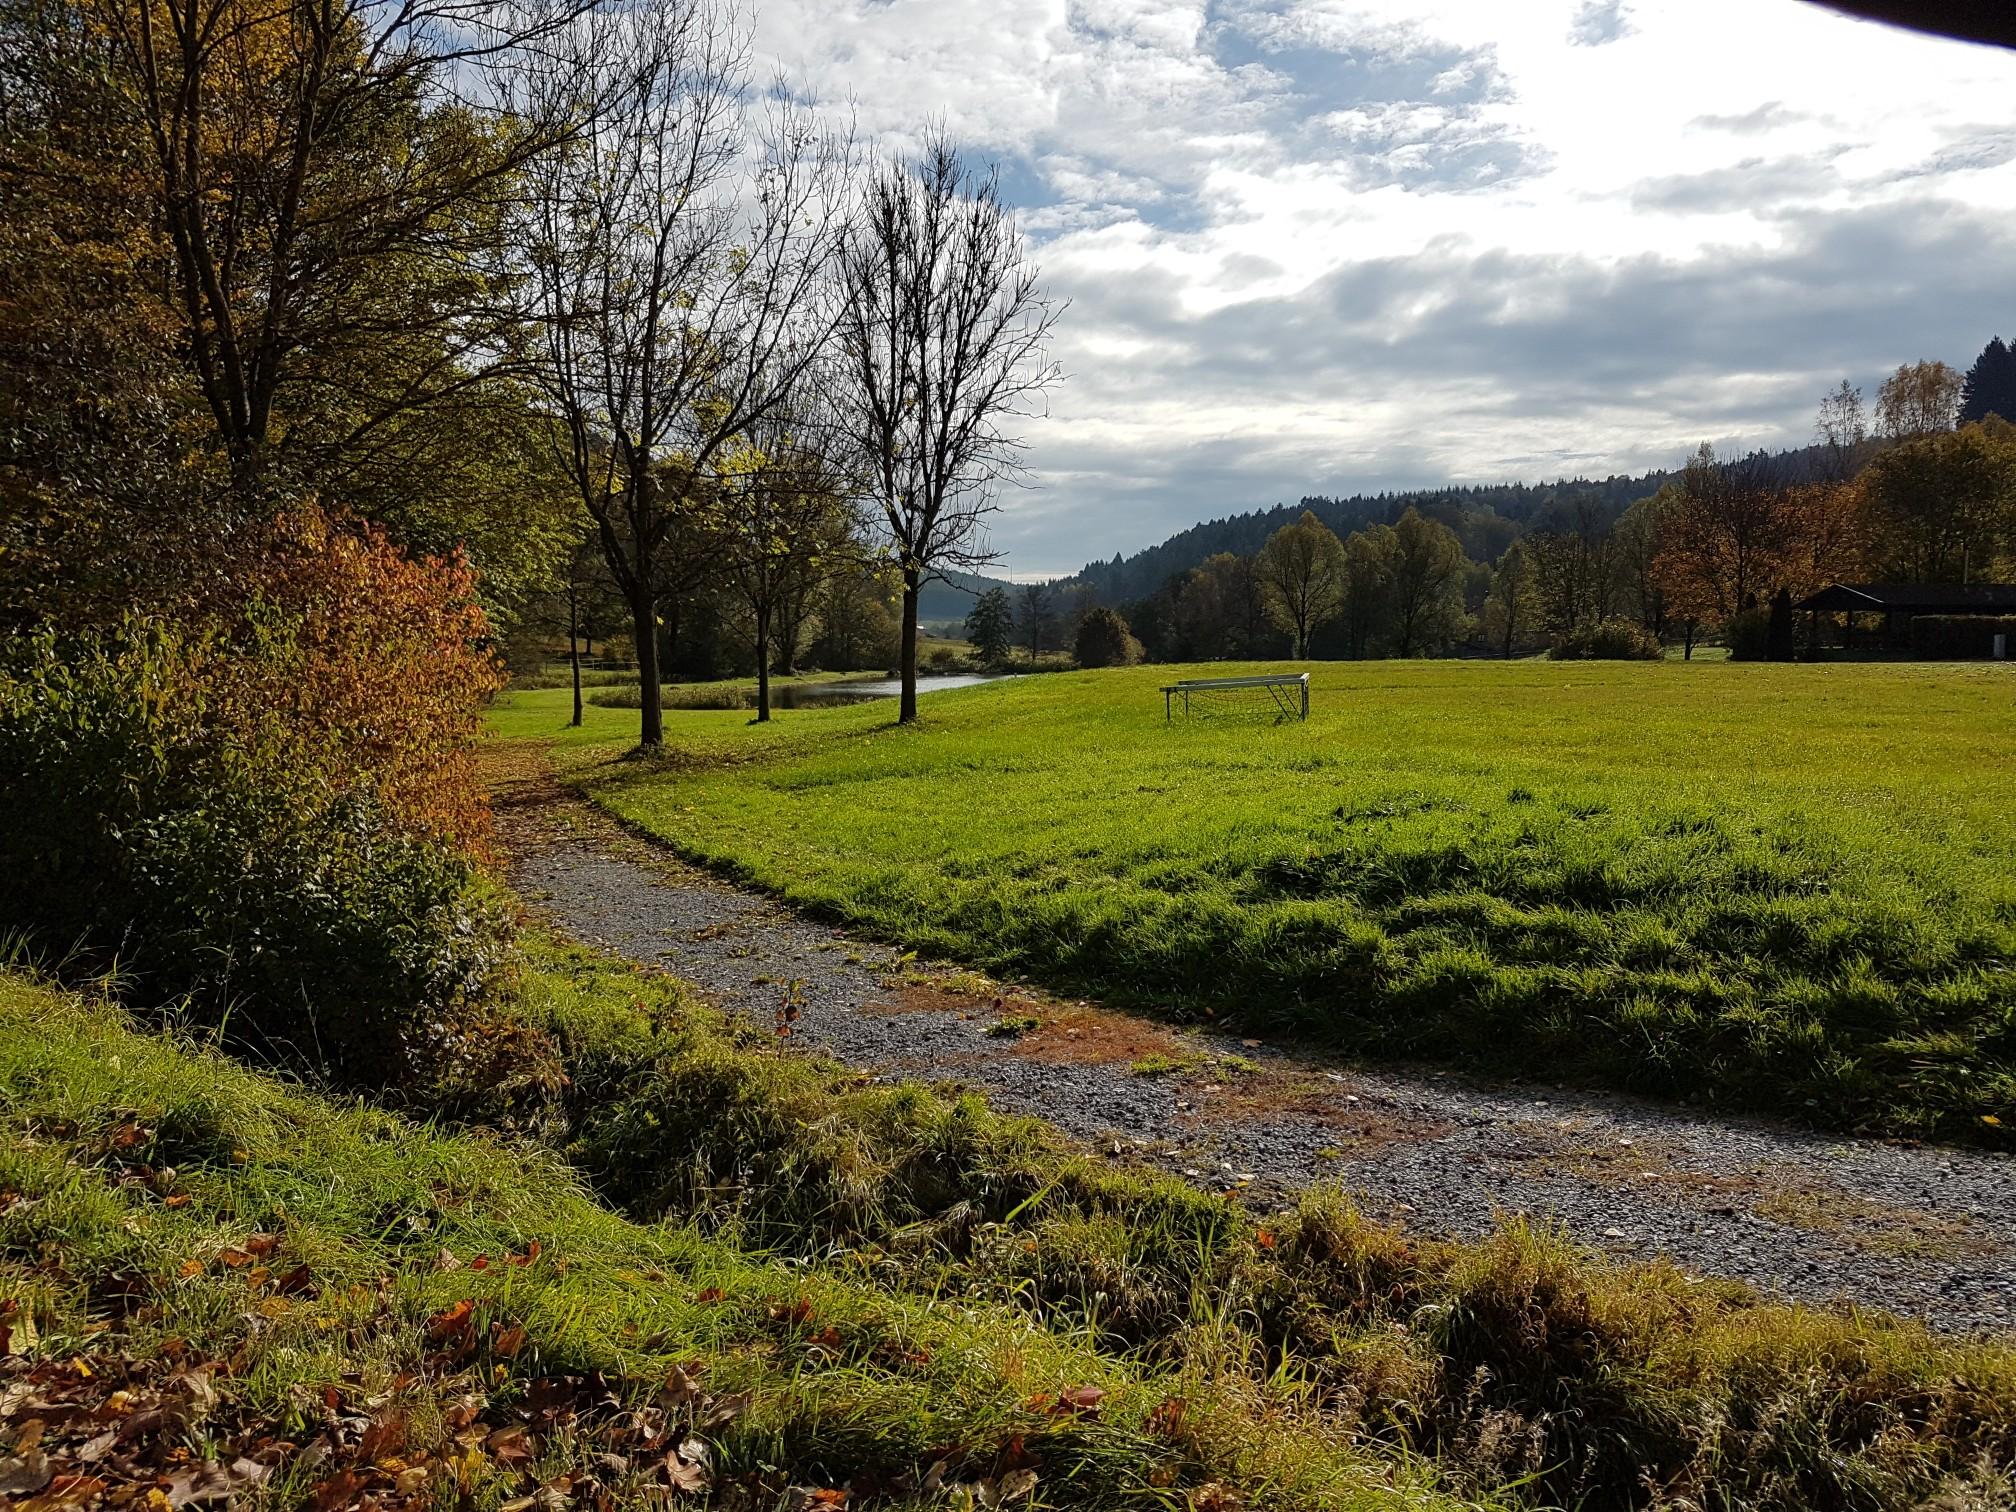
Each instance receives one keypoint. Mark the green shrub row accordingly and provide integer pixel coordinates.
(1608, 640)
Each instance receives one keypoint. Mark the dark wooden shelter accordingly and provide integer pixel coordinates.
(1900, 603)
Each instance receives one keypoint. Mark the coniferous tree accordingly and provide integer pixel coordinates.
(990, 626)
(1990, 385)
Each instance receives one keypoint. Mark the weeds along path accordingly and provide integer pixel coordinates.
(1927, 1232)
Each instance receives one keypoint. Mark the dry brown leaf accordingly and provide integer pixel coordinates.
(450, 1321)
(64, 1491)
(295, 1281)
(195, 1485)
(385, 1436)
(25, 1471)
(690, 1467)
(725, 1409)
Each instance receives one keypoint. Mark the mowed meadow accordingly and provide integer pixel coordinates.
(1788, 888)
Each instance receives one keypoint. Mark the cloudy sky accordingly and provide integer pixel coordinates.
(1324, 246)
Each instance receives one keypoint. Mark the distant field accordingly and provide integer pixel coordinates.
(1779, 887)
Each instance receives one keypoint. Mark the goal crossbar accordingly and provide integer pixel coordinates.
(1285, 688)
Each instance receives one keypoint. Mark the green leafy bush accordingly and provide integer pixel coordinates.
(1956, 637)
(1105, 641)
(1608, 640)
(1748, 635)
(196, 859)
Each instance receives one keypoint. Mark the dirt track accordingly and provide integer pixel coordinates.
(1923, 1231)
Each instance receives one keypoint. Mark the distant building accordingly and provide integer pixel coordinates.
(1900, 604)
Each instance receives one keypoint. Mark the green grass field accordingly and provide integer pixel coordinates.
(1778, 887)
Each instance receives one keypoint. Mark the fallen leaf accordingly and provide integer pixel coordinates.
(295, 1281)
(385, 1436)
(689, 1467)
(450, 1321)
(26, 1470)
(64, 1491)
(508, 1447)
(679, 1389)
(725, 1409)
(338, 1490)
(1080, 1398)
(508, 1342)
(211, 1482)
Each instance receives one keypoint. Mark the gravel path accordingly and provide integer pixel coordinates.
(1929, 1232)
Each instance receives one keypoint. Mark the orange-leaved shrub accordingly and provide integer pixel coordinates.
(362, 664)
(265, 806)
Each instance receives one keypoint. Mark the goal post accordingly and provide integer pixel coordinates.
(1285, 695)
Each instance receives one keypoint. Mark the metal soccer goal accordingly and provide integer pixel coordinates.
(1281, 696)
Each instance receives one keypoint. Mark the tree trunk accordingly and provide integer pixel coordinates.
(762, 671)
(906, 710)
(651, 696)
(574, 648)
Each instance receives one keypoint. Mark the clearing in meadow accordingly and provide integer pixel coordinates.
(1781, 887)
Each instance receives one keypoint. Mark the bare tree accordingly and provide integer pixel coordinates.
(1036, 616)
(944, 341)
(678, 259)
(784, 523)
(1842, 429)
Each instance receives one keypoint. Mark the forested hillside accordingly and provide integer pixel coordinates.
(1487, 518)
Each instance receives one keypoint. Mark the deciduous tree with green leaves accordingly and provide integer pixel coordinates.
(1301, 575)
(1425, 586)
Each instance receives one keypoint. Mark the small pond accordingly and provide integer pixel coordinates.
(829, 695)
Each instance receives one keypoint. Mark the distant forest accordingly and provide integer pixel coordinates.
(1487, 519)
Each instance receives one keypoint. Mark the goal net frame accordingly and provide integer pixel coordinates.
(1284, 695)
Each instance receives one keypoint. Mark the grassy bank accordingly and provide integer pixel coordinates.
(304, 1302)
(778, 1276)
(1787, 888)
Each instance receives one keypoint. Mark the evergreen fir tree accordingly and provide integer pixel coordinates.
(1990, 385)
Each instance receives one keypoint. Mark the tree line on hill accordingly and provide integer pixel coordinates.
(1922, 491)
